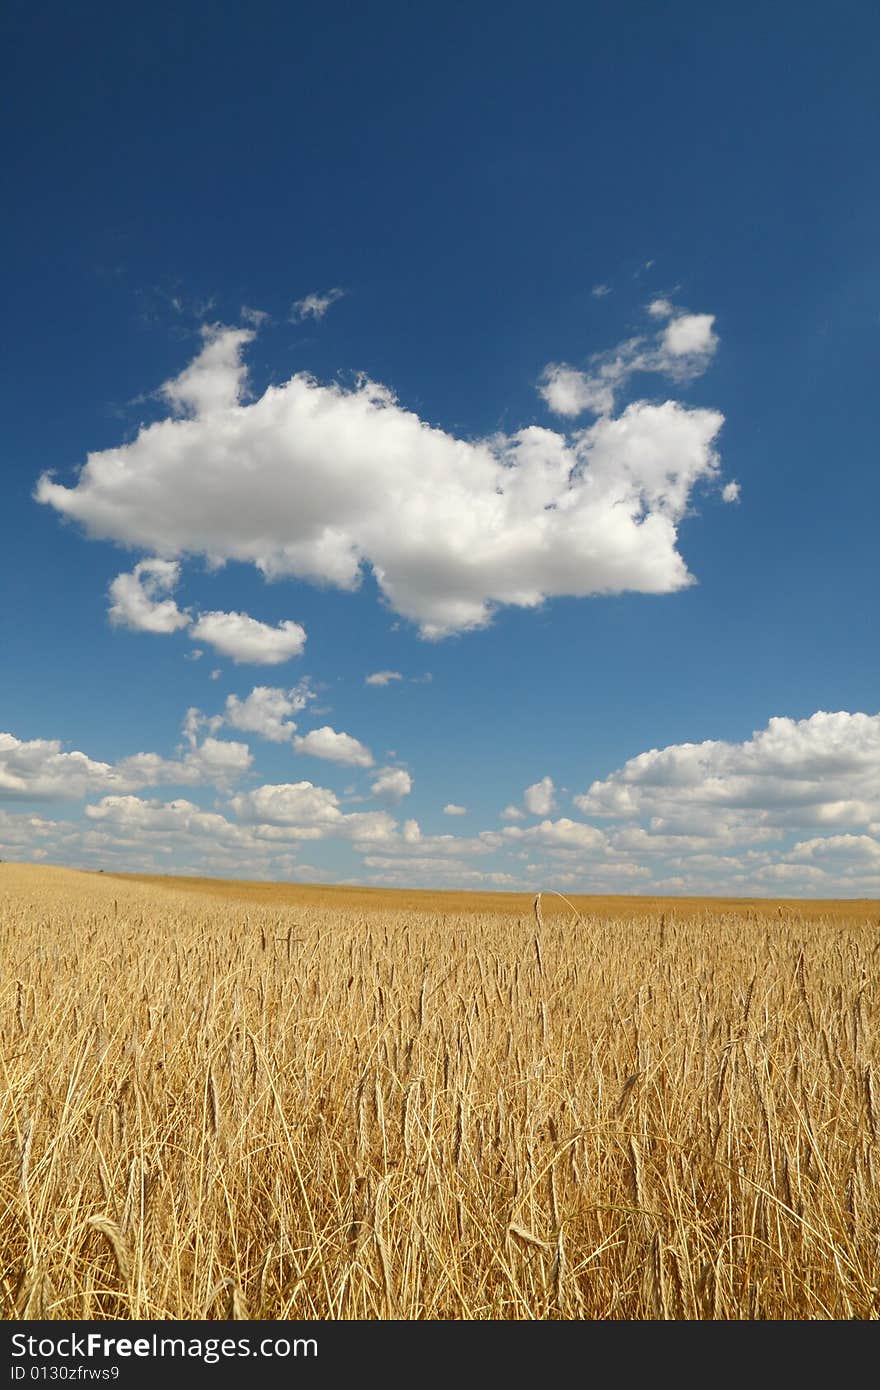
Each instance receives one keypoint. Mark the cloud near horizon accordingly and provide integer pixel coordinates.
(823, 771)
(794, 809)
(40, 769)
(317, 482)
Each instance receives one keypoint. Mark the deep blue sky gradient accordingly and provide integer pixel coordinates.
(468, 173)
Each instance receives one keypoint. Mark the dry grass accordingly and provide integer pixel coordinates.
(288, 1105)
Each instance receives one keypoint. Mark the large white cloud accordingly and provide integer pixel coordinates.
(137, 600)
(248, 641)
(317, 481)
(823, 771)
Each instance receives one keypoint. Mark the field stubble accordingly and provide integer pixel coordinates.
(217, 1104)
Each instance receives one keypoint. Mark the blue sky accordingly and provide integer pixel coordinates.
(524, 353)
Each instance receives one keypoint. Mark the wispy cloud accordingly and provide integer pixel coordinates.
(382, 677)
(314, 306)
(681, 351)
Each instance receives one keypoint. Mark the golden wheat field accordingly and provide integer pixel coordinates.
(279, 1102)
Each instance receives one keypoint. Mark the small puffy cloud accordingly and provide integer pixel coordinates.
(540, 798)
(600, 291)
(451, 809)
(314, 306)
(512, 813)
(319, 482)
(382, 677)
(247, 641)
(570, 392)
(392, 783)
(139, 599)
(267, 711)
(681, 351)
(335, 747)
(730, 492)
(690, 335)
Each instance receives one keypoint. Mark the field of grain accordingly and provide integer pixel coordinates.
(312, 1103)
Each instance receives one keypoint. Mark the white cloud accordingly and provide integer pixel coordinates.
(570, 392)
(600, 291)
(559, 834)
(317, 481)
(18, 832)
(137, 601)
(393, 783)
(411, 841)
(427, 871)
(267, 711)
(682, 350)
(216, 761)
(823, 771)
(131, 814)
(288, 803)
(215, 380)
(314, 306)
(248, 641)
(39, 768)
(540, 798)
(850, 851)
(312, 810)
(451, 809)
(382, 678)
(335, 747)
(690, 336)
(730, 492)
(512, 813)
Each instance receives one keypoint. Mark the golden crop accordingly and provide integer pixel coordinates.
(279, 1102)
